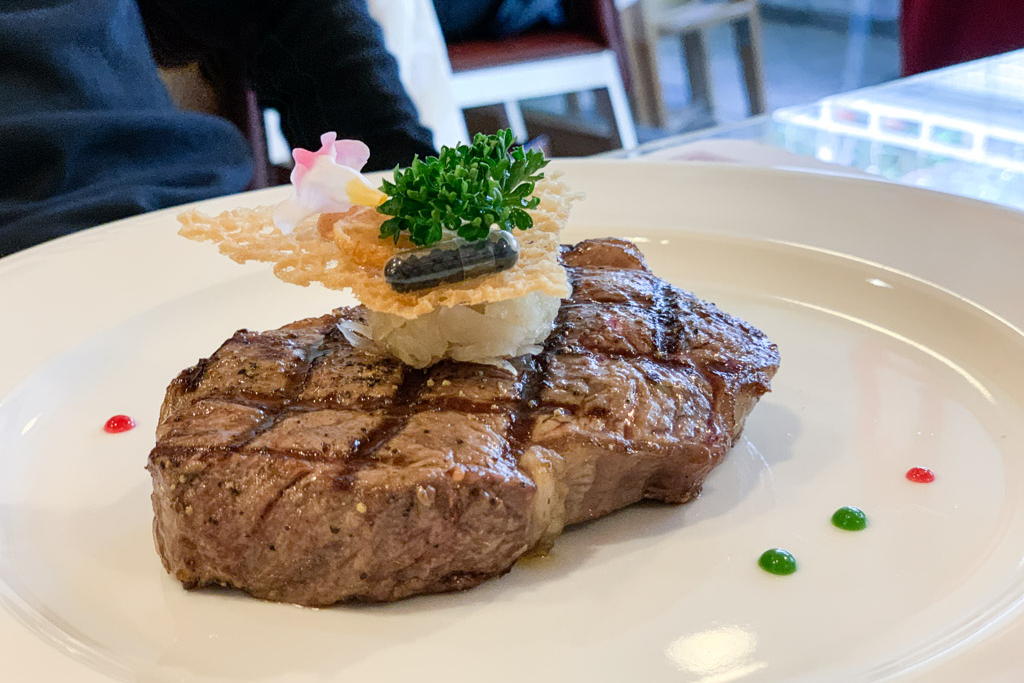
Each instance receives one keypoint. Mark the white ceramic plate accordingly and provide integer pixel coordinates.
(884, 367)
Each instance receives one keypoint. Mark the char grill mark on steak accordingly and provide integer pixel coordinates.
(373, 481)
(399, 411)
(272, 503)
(194, 375)
(671, 319)
(297, 380)
(524, 414)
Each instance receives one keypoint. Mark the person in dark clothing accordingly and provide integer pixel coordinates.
(88, 133)
(489, 19)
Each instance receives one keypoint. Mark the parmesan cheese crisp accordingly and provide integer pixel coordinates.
(344, 250)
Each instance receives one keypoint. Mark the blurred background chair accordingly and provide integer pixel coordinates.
(650, 20)
(230, 96)
(938, 33)
(619, 42)
(588, 53)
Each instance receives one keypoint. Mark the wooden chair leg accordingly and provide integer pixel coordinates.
(698, 70)
(857, 41)
(614, 99)
(642, 46)
(572, 105)
(748, 45)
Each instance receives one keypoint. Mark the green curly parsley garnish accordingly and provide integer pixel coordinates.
(465, 189)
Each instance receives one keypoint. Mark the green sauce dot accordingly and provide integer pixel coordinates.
(850, 519)
(777, 561)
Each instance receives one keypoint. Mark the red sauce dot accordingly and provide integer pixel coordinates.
(118, 424)
(920, 475)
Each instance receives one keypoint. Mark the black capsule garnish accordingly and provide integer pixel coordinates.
(451, 261)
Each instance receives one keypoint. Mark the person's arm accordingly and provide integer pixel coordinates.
(321, 63)
(88, 133)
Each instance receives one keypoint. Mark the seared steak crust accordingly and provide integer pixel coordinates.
(298, 468)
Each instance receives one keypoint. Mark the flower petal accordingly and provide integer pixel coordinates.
(304, 160)
(352, 153)
(327, 144)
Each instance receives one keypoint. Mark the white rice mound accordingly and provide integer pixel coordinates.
(479, 333)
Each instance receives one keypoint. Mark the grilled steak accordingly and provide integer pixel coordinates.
(297, 468)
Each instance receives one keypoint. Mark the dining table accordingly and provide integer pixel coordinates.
(899, 320)
(958, 130)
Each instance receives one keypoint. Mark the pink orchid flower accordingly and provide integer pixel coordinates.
(327, 181)
(351, 153)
